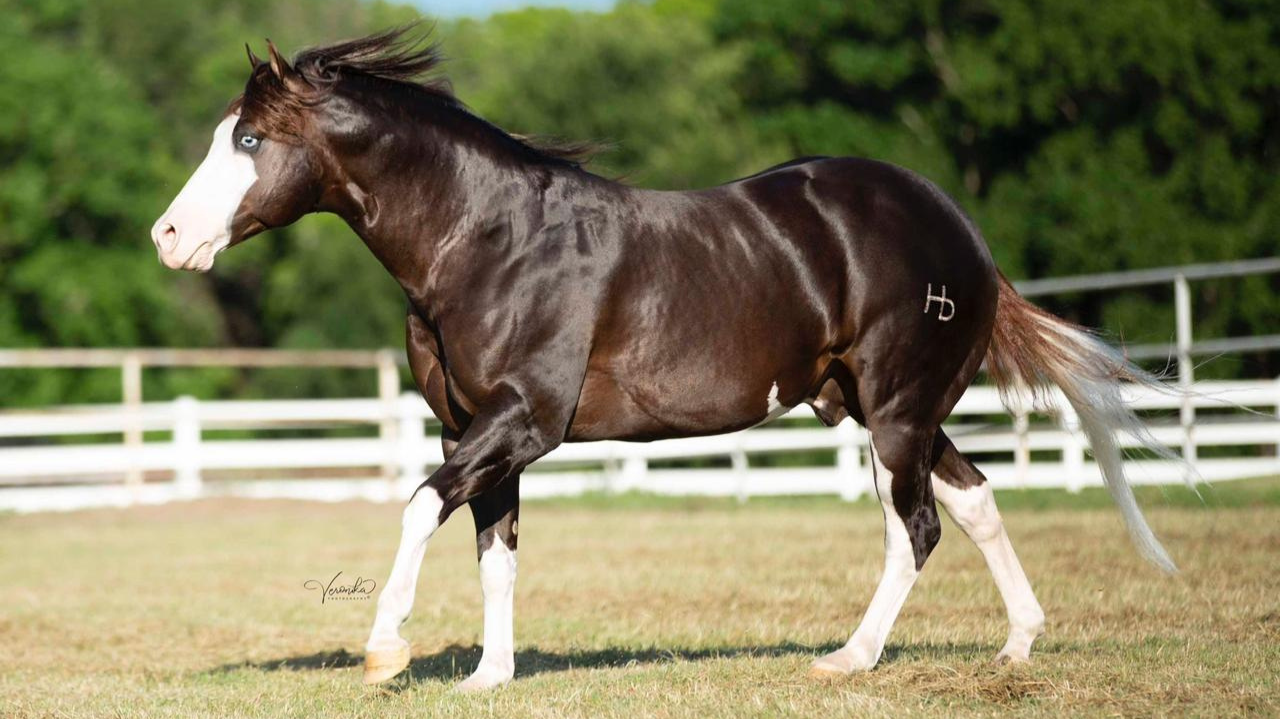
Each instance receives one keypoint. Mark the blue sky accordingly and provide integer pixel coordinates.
(483, 8)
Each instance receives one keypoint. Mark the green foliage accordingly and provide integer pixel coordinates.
(106, 108)
(1082, 136)
(651, 83)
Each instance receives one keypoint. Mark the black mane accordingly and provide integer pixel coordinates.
(405, 55)
(400, 54)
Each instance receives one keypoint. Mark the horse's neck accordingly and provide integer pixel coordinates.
(409, 213)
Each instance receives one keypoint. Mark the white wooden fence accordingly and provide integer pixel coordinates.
(46, 462)
(56, 457)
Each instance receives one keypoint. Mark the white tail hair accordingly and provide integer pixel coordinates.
(1032, 350)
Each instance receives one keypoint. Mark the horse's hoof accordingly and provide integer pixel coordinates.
(825, 672)
(832, 666)
(379, 666)
(841, 663)
(1015, 651)
(483, 680)
(1006, 658)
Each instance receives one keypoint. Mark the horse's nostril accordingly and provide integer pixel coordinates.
(165, 235)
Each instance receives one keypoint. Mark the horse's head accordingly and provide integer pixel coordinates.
(318, 135)
(266, 168)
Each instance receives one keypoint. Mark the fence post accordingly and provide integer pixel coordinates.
(389, 393)
(188, 483)
(632, 469)
(741, 470)
(1186, 370)
(412, 435)
(131, 388)
(1072, 448)
(1276, 399)
(851, 473)
(1022, 446)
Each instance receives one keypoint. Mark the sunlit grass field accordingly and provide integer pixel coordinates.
(636, 606)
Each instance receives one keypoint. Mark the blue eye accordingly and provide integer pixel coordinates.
(249, 142)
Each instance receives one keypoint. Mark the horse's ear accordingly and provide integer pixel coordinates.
(291, 78)
(254, 60)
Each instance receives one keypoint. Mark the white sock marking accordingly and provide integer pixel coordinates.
(863, 649)
(421, 519)
(498, 581)
(974, 511)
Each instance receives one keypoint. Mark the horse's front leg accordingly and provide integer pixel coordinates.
(501, 440)
(496, 514)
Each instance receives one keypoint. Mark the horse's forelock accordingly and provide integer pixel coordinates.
(276, 108)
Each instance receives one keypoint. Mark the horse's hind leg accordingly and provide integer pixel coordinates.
(967, 498)
(902, 458)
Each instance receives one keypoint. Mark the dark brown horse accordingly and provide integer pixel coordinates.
(547, 304)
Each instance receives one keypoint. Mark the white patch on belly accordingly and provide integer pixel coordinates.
(774, 409)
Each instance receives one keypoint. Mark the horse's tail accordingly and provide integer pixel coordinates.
(1031, 349)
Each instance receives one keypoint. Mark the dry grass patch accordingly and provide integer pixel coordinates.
(635, 607)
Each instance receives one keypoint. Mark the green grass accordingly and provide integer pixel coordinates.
(639, 606)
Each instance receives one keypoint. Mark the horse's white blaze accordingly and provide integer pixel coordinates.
(498, 582)
(974, 511)
(197, 225)
(863, 649)
(420, 521)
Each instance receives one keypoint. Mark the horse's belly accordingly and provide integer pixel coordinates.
(705, 348)
(681, 404)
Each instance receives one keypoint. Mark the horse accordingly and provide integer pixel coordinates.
(547, 304)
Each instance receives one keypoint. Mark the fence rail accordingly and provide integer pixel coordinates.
(180, 461)
(1147, 277)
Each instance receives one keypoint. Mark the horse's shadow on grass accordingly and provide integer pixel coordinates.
(456, 661)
